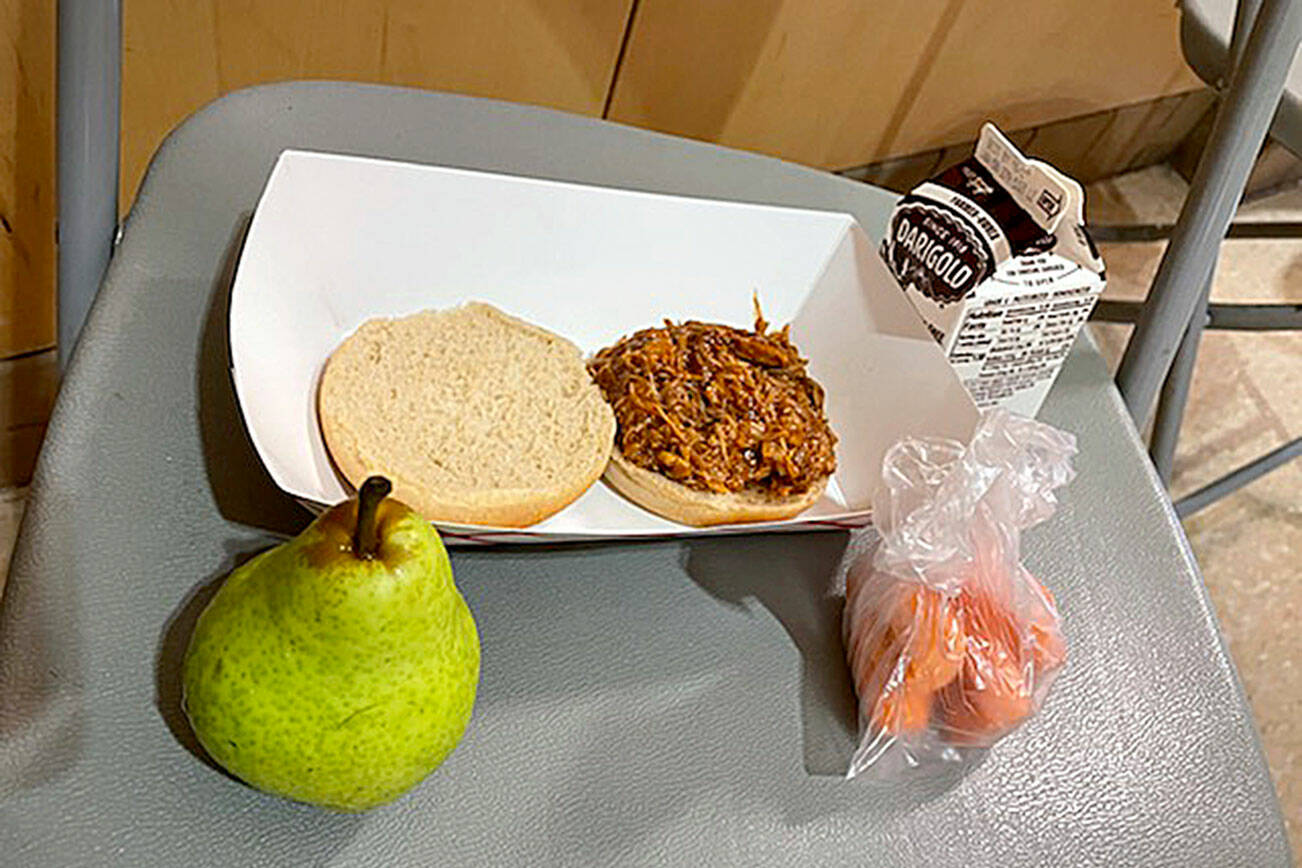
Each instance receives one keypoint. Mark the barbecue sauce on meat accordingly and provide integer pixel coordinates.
(718, 408)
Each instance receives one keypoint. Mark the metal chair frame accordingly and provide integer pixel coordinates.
(1159, 359)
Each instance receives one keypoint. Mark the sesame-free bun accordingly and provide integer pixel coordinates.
(675, 501)
(475, 416)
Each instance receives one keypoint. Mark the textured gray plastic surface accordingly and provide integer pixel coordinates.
(652, 703)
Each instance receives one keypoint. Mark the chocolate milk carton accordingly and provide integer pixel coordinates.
(994, 255)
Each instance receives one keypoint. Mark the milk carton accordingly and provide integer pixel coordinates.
(994, 255)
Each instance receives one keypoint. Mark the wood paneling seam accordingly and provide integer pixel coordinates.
(619, 59)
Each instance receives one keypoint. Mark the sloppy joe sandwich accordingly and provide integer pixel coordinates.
(715, 424)
(477, 417)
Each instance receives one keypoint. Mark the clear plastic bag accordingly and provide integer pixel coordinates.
(951, 642)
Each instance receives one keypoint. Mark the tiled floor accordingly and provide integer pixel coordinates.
(1244, 402)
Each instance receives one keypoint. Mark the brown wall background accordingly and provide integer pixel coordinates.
(840, 83)
(180, 54)
(26, 176)
(832, 83)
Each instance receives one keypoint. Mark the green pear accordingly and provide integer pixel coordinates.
(338, 668)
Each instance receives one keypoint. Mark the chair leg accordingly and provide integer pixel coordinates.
(1175, 392)
(1246, 317)
(1233, 481)
(1236, 138)
(1133, 233)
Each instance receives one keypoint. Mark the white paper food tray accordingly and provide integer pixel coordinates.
(337, 240)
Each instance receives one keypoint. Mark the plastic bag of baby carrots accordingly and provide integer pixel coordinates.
(952, 643)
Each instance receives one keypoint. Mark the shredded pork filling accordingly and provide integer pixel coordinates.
(718, 408)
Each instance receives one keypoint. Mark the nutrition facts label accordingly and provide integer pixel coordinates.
(1010, 343)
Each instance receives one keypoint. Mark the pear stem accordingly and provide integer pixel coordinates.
(366, 536)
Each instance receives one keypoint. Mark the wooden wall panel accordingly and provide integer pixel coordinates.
(180, 54)
(27, 195)
(839, 83)
(1086, 147)
(27, 387)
